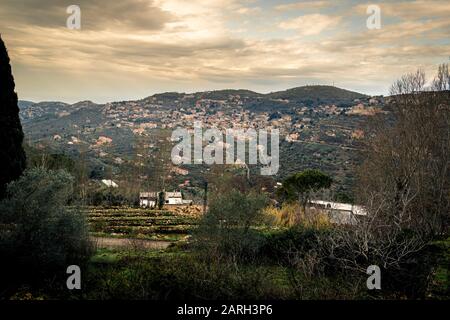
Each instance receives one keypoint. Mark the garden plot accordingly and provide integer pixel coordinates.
(140, 223)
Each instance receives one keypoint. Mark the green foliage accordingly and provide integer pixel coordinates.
(226, 229)
(51, 161)
(39, 237)
(280, 246)
(105, 196)
(161, 199)
(179, 277)
(12, 160)
(300, 185)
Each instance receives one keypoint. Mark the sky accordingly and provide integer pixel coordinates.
(132, 49)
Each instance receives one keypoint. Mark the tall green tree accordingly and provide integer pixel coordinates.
(12, 155)
(161, 199)
(301, 184)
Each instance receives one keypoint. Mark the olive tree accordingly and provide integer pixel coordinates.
(39, 235)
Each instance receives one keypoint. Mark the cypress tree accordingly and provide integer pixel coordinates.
(12, 155)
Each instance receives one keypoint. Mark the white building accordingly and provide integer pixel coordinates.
(110, 183)
(149, 199)
(173, 198)
(340, 213)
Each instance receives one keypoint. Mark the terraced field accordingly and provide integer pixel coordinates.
(123, 222)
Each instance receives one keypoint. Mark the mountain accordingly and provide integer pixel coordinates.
(314, 91)
(318, 94)
(309, 96)
(23, 104)
(319, 125)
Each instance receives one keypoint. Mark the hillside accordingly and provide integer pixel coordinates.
(320, 126)
(317, 94)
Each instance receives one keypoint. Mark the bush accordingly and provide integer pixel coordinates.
(227, 229)
(407, 261)
(104, 196)
(288, 246)
(39, 237)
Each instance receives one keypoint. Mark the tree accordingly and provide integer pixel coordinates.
(300, 185)
(12, 160)
(404, 185)
(39, 236)
(225, 231)
(442, 80)
(161, 199)
(405, 178)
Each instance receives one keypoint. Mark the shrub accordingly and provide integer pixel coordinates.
(407, 261)
(39, 237)
(290, 245)
(226, 231)
(104, 196)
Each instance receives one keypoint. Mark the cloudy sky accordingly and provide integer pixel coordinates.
(134, 48)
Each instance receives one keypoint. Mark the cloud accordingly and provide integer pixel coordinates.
(136, 47)
(412, 10)
(311, 24)
(306, 5)
(96, 14)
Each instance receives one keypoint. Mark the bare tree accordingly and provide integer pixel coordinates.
(407, 167)
(442, 81)
(404, 184)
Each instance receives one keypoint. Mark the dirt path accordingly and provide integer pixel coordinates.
(113, 243)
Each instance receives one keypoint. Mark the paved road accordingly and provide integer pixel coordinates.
(112, 243)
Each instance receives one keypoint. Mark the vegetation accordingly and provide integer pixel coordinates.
(152, 224)
(244, 246)
(226, 231)
(12, 160)
(314, 95)
(406, 171)
(291, 214)
(301, 185)
(161, 200)
(39, 237)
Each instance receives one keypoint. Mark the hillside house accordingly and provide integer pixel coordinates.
(148, 199)
(173, 198)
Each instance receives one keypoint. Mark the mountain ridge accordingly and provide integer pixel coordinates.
(314, 90)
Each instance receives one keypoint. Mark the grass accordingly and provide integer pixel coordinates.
(175, 273)
(178, 274)
(440, 284)
(105, 256)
